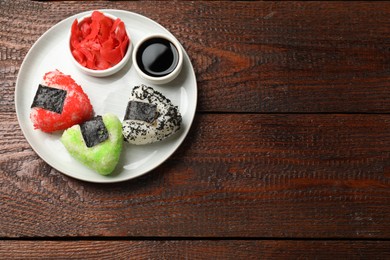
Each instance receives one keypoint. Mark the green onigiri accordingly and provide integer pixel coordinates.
(103, 155)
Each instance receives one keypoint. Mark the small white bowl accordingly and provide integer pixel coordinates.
(159, 79)
(109, 71)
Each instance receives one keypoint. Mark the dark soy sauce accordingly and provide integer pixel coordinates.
(157, 57)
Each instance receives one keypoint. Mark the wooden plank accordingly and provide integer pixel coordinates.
(258, 56)
(195, 249)
(306, 176)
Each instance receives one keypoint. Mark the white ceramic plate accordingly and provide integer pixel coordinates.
(108, 94)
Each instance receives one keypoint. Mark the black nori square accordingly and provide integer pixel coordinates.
(48, 98)
(141, 111)
(94, 131)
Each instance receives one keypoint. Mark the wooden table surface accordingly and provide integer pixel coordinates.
(288, 155)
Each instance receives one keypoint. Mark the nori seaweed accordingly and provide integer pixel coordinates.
(48, 98)
(94, 131)
(141, 111)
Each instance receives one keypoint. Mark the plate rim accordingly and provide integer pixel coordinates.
(31, 51)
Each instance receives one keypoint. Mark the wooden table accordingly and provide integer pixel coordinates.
(288, 156)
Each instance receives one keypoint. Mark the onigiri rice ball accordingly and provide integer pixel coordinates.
(59, 103)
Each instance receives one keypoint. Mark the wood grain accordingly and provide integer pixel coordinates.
(246, 175)
(261, 57)
(194, 249)
(288, 156)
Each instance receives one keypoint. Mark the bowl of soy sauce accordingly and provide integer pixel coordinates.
(158, 58)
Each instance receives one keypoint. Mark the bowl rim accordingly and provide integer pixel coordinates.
(108, 71)
(166, 78)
